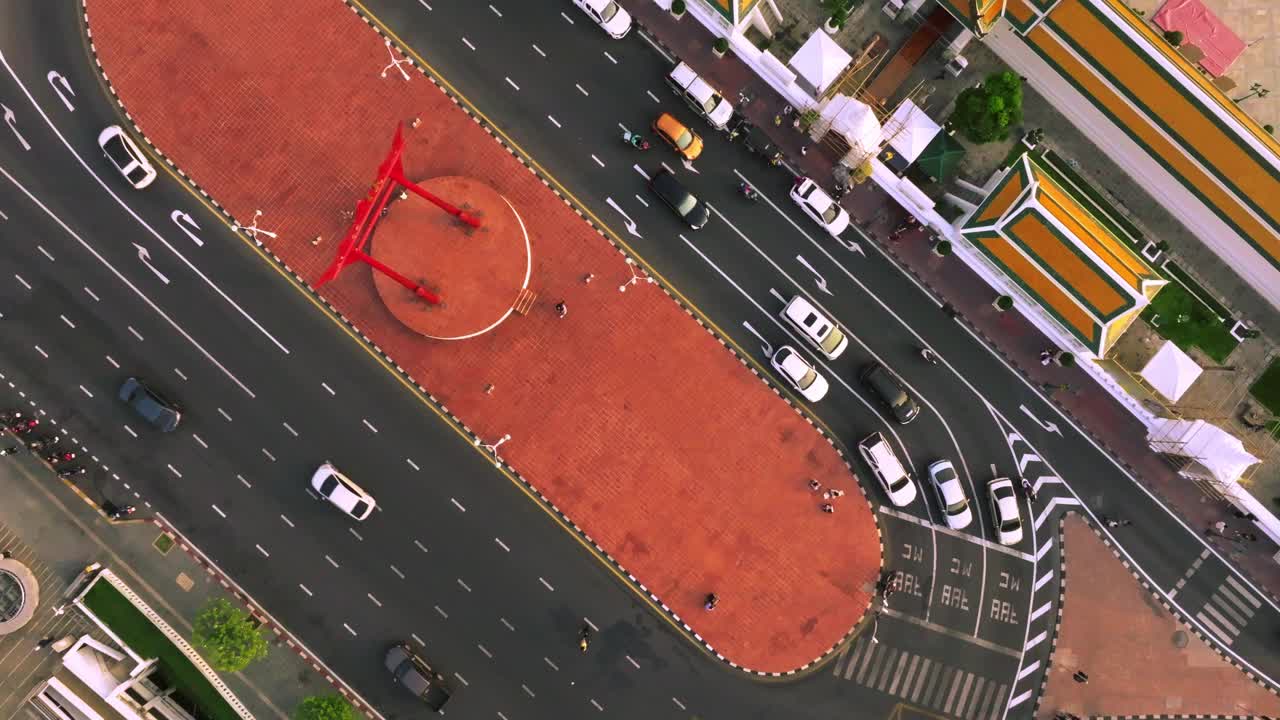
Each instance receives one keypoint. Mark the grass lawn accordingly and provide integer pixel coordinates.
(1267, 389)
(1179, 316)
(131, 626)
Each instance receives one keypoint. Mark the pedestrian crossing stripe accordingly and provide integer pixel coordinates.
(921, 681)
(1228, 610)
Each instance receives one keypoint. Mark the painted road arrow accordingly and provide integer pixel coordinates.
(145, 257)
(9, 118)
(821, 281)
(55, 75)
(765, 346)
(631, 225)
(1048, 426)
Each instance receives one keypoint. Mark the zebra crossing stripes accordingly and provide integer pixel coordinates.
(1228, 610)
(921, 681)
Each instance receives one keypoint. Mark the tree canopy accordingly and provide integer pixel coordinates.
(227, 637)
(985, 113)
(324, 707)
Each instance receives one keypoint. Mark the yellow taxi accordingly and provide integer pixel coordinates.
(680, 138)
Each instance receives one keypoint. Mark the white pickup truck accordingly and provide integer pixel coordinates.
(700, 95)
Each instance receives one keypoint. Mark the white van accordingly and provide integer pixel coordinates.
(820, 332)
(879, 456)
(703, 98)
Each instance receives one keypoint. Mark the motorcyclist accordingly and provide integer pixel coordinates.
(929, 355)
(584, 638)
(711, 601)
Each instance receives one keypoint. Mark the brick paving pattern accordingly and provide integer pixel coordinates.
(1128, 645)
(631, 418)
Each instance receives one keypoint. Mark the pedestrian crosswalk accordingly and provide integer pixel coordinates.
(921, 681)
(1228, 610)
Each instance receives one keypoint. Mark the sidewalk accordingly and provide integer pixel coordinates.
(54, 533)
(1010, 334)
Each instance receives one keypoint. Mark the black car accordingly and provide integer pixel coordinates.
(418, 677)
(163, 414)
(679, 199)
(892, 392)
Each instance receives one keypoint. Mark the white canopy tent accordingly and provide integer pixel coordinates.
(910, 130)
(1171, 372)
(818, 63)
(1213, 453)
(857, 122)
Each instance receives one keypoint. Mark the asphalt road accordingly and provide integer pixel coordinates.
(500, 590)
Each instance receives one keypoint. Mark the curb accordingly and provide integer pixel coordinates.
(457, 421)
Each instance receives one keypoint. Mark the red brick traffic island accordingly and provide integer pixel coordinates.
(662, 446)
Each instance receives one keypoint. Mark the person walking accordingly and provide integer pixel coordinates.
(562, 309)
(1218, 528)
(828, 508)
(814, 485)
(1046, 357)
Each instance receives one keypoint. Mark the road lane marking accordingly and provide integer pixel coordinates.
(457, 504)
(224, 414)
(262, 550)
(655, 97)
(539, 51)
(547, 660)
(348, 627)
(130, 431)
(95, 297)
(245, 482)
(267, 452)
(566, 17)
(546, 584)
(200, 440)
(485, 650)
(582, 90)
(527, 690)
(289, 427)
(642, 201)
(678, 703)
(495, 10)
(24, 282)
(374, 599)
(443, 614)
(178, 372)
(464, 585)
(513, 84)
(418, 639)
(612, 59)
(305, 590)
(68, 322)
(412, 464)
(174, 470)
(598, 160)
(41, 351)
(464, 680)
(553, 121)
(286, 520)
(467, 42)
(508, 625)
(45, 252)
(633, 662)
(331, 561)
(111, 360)
(85, 390)
(219, 511)
(369, 425)
(135, 333)
(502, 544)
(591, 624)
(421, 547)
(598, 706)
(396, 570)
(326, 387)
(353, 532)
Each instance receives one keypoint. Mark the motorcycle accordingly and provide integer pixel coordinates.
(929, 356)
(748, 192)
(57, 458)
(43, 442)
(9, 450)
(22, 427)
(635, 140)
(584, 638)
(9, 417)
(72, 471)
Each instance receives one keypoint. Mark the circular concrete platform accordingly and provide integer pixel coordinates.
(19, 595)
(477, 272)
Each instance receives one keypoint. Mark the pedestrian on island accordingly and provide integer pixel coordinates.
(814, 485)
(562, 309)
(1219, 528)
(828, 508)
(1081, 677)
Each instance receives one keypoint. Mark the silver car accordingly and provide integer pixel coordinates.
(127, 157)
(950, 492)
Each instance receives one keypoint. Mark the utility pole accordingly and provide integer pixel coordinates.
(1255, 89)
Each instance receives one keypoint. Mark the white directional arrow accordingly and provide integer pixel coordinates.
(821, 281)
(851, 246)
(765, 346)
(1048, 426)
(688, 165)
(631, 225)
(13, 125)
(182, 220)
(145, 257)
(55, 75)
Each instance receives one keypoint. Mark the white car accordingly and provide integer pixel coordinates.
(703, 98)
(125, 155)
(817, 204)
(816, 329)
(608, 15)
(1004, 511)
(791, 365)
(895, 479)
(345, 495)
(946, 484)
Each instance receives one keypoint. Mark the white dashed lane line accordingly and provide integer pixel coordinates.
(412, 464)
(85, 390)
(508, 625)
(554, 121)
(421, 547)
(267, 452)
(655, 97)
(179, 373)
(417, 639)
(174, 470)
(348, 627)
(130, 431)
(326, 387)
(289, 427)
(464, 585)
(25, 284)
(462, 679)
(527, 690)
(95, 297)
(135, 333)
(68, 322)
(224, 414)
(443, 614)
(502, 544)
(353, 532)
(369, 425)
(287, 521)
(485, 650)
(262, 550)
(633, 662)
(396, 570)
(496, 11)
(44, 354)
(582, 90)
(513, 84)
(245, 482)
(305, 590)
(468, 43)
(612, 59)
(111, 360)
(200, 440)
(374, 599)
(44, 252)
(219, 511)
(546, 584)
(457, 504)
(539, 51)
(331, 561)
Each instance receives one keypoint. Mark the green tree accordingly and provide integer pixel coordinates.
(985, 113)
(324, 707)
(1173, 37)
(227, 637)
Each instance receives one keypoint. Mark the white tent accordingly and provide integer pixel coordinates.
(1171, 372)
(818, 63)
(856, 121)
(1213, 453)
(910, 130)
